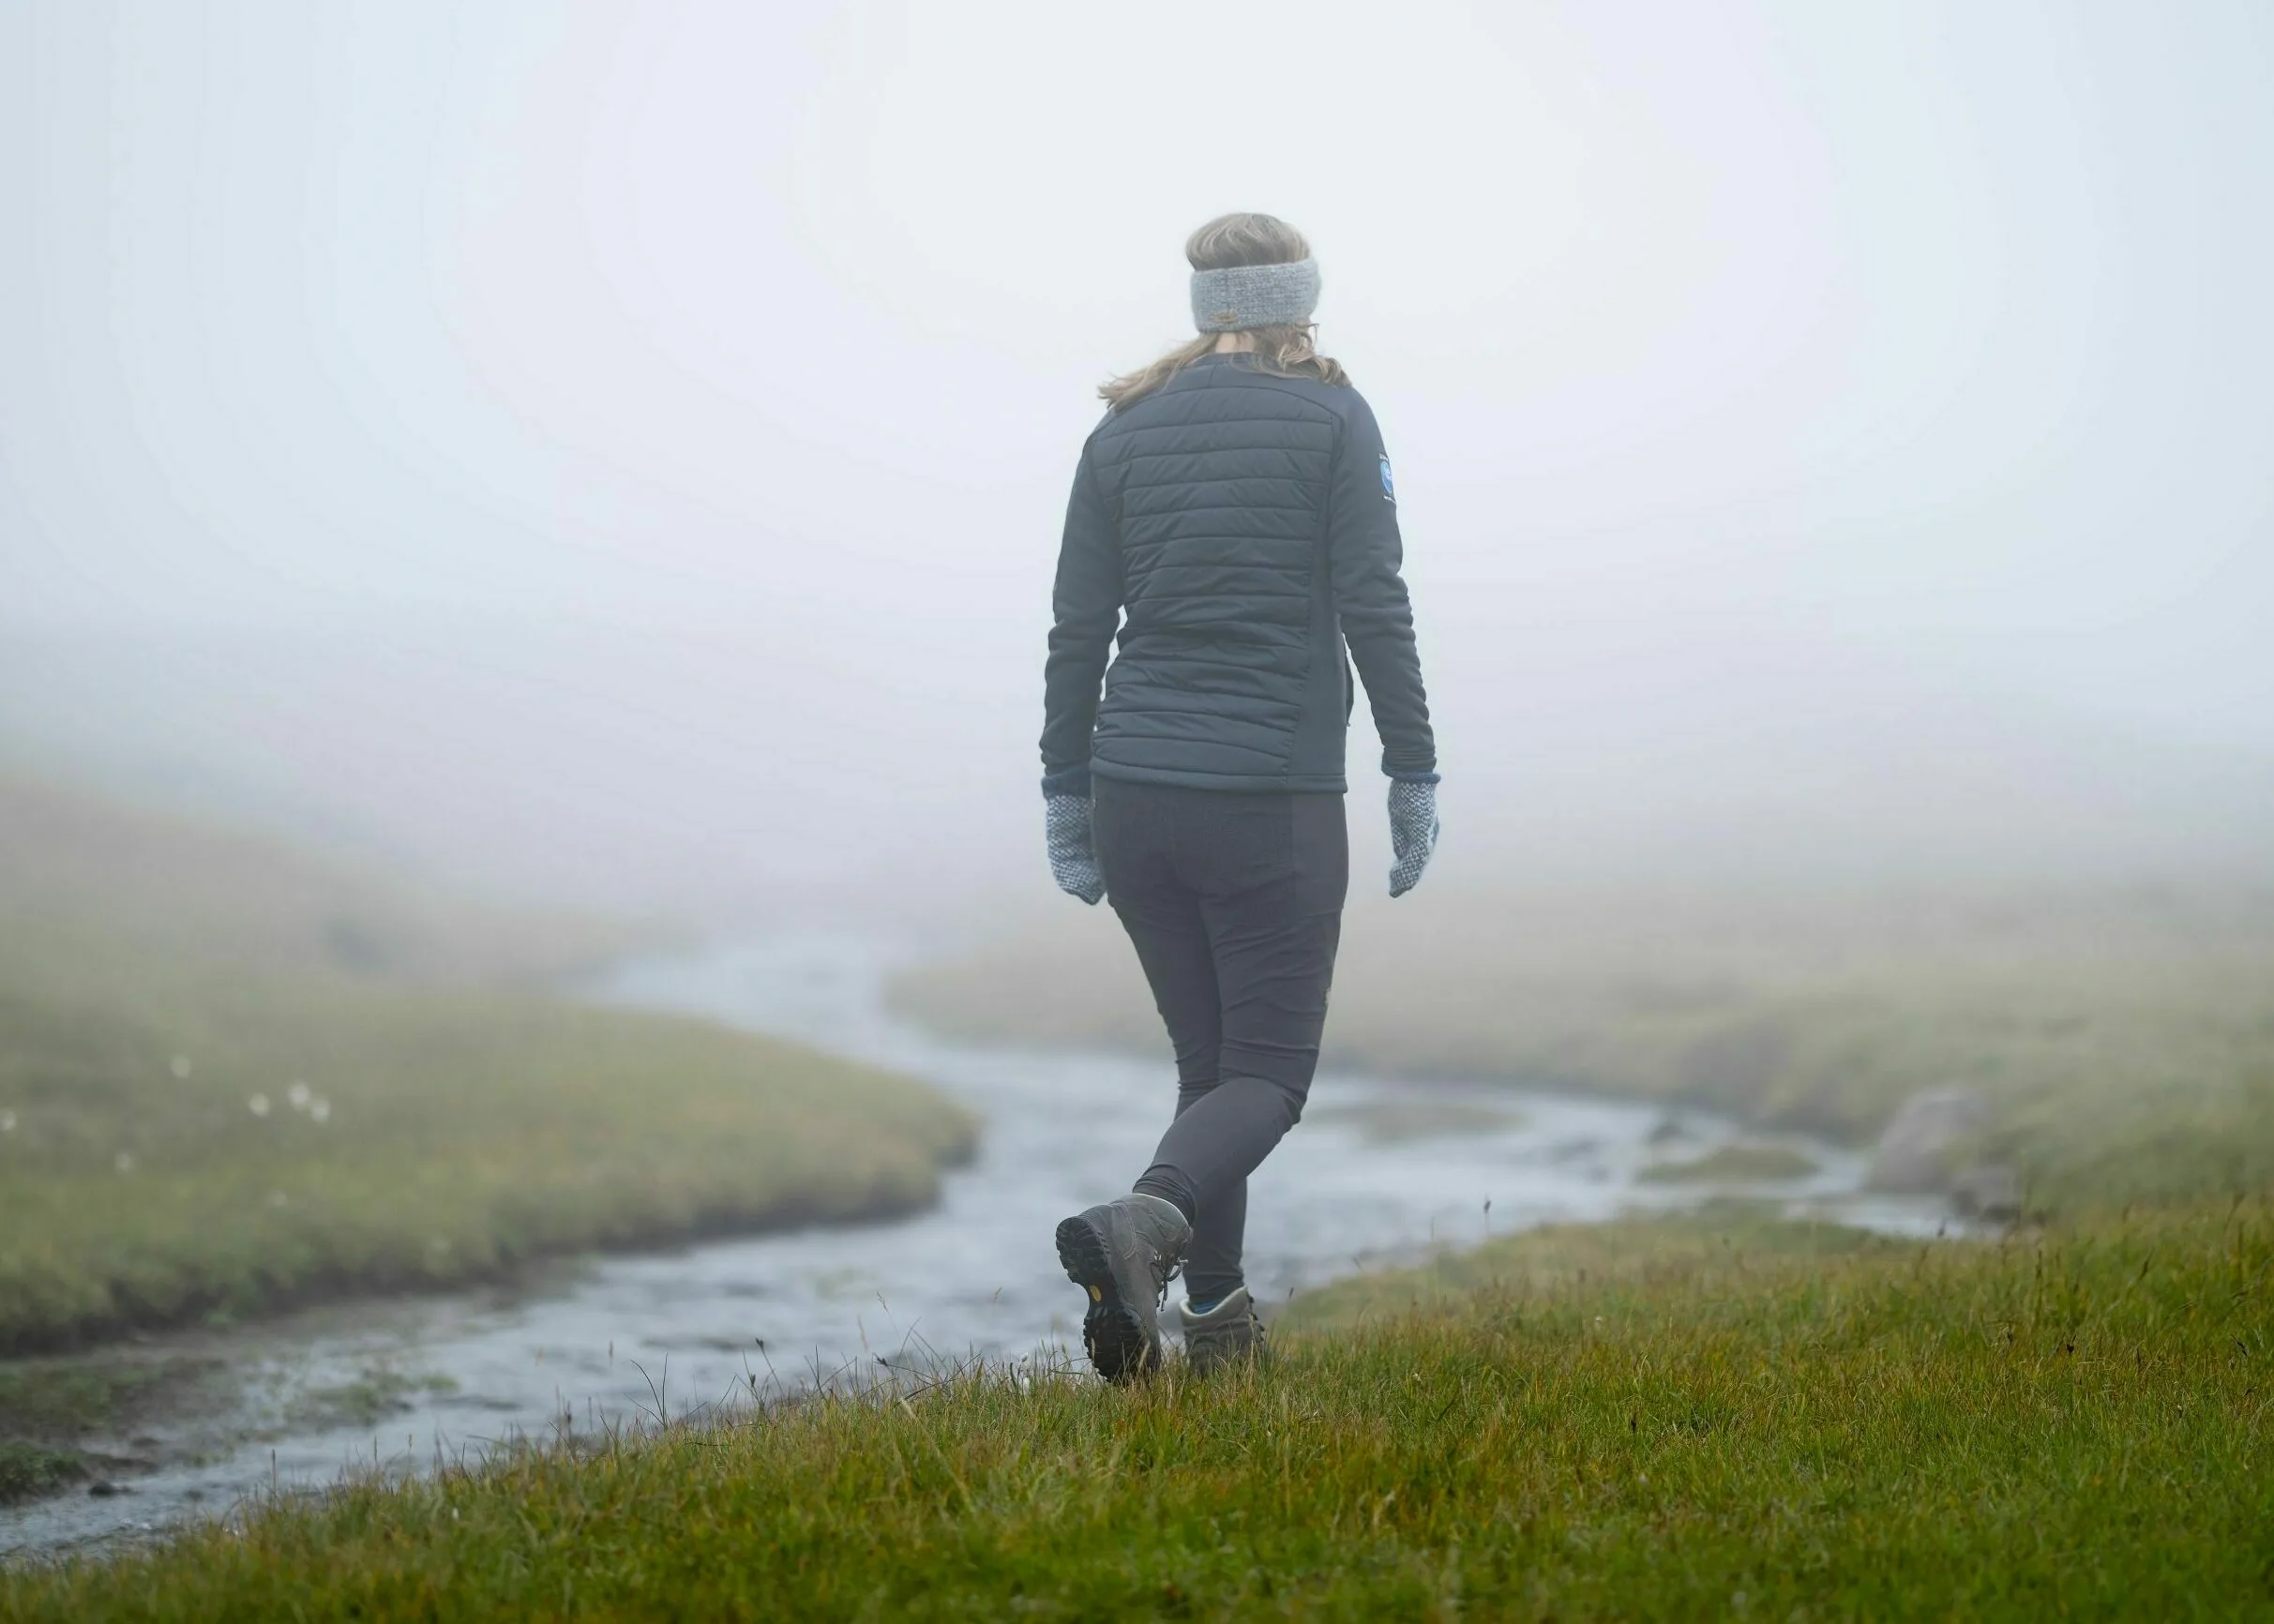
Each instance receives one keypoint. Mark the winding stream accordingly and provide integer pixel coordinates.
(1381, 1170)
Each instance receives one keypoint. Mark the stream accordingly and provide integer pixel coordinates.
(1382, 1170)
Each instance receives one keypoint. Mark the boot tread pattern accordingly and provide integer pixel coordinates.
(1112, 1334)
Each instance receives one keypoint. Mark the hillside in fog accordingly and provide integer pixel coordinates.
(742, 765)
(235, 1075)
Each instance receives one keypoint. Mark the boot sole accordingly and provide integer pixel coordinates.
(1112, 1333)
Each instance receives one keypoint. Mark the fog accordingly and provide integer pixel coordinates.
(616, 452)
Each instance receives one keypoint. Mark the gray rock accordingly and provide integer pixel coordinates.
(1914, 1154)
(1988, 1190)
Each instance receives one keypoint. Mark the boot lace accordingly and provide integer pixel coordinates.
(1164, 1271)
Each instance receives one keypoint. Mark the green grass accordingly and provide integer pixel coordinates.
(62, 1422)
(462, 1134)
(1636, 1420)
(61, 1401)
(206, 1110)
(57, 1402)
(29, 1471)
(379, 1392)
(1719, 1415)
(1732, 1164)
(2123, 1039)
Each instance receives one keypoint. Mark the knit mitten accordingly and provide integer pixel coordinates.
(1413, 830)
(1073, 857)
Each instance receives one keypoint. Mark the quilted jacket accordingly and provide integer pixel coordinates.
(1239, 529)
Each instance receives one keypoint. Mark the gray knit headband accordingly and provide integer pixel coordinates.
(1237, 297)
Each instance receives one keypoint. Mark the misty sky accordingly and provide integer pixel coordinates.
(686, 392)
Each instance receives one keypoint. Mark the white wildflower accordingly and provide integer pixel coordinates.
(8, 1122)
(299, 1095)
(258, 1105)
(179, 1066)
(320, 1109)
(279, 1199)
(124, 1160)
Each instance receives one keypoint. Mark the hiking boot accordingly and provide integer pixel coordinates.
(1228, 1335)
(1124, 1253)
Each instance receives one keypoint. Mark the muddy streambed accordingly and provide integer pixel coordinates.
(1381, 1170)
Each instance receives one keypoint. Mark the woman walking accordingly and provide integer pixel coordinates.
(1235, 517)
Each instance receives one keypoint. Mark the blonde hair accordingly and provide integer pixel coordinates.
(1238, 239)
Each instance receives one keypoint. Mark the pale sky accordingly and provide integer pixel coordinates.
(692, 388)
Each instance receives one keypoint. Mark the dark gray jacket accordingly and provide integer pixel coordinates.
(1240, 528)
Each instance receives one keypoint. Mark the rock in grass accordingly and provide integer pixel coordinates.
(1914, 1154)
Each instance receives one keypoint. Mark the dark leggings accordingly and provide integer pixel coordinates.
(1234, 902)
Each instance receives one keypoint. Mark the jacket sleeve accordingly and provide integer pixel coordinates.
(1364, 551)
(1086, 607)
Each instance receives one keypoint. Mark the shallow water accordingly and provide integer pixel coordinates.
(1381, 1170)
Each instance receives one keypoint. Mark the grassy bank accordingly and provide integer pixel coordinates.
(2123, 1040)
(56, 1416)
(1639, 1421)
(335, 1139)
(233, 1078)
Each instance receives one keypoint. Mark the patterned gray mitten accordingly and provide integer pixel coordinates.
(1073, 857)
(1413, 830)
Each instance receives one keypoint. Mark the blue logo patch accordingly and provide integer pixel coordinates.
(1389, 489)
